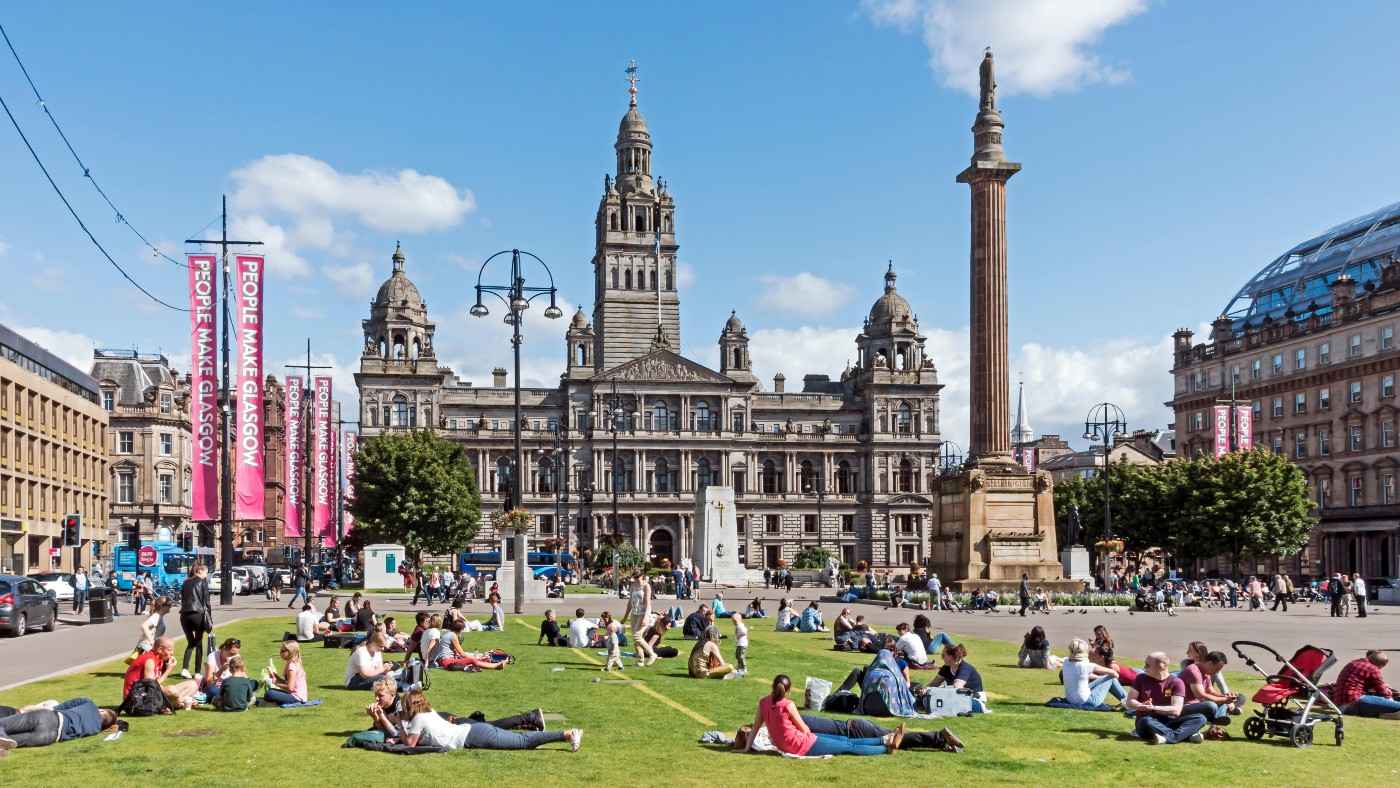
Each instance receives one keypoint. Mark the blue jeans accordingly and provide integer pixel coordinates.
(1104, 686)
(1371, 706)
(1174, 729)
(79, 598)
(362, 683)
(279, 697)
(827, 744)
(937, 643)
(300, 594)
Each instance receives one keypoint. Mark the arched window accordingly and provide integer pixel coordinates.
(612, 220)
(417, 347)
(546, 475)
(670, 285)
(581, 354)
(400, 411)
(400, 349)
(809, 476)
(503, 475)
(703, 421)
(660, 475)
(738, 361)
(702, 473)
(904, 480)
(614, 277)
(626, 280)
(904, 422)
(769, 477)
(844, 480)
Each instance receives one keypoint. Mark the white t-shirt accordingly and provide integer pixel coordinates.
(306, 625)
(361, 658)
(912, 647)
(214, 668)
(426, 642)
(434, 731)
(578, 632)
(156, 623)
(1077, 674)
(1358, 587)
(741, 635)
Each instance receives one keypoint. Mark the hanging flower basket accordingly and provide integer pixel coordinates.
(552, 544)
(1114, 546)
(515, 521)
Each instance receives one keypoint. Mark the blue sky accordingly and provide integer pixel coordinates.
(1170, 150)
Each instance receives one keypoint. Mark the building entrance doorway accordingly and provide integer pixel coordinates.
(662, 548)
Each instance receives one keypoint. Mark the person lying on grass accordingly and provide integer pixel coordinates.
(706, 661)
(419, 725)
(386, 713)
(289, 686)
(40, 726)
(862, 728)
(157, 664)
(791, 734)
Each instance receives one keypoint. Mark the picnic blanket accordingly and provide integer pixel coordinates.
(314, 702)
(763, 743)
(1061, 703)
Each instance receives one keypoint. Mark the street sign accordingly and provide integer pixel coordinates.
(53, 552)
(146, 556)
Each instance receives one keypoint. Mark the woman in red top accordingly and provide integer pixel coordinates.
(792, 736)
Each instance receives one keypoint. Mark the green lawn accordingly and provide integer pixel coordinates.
(651, 729)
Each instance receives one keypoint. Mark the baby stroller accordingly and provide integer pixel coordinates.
(1292, 702)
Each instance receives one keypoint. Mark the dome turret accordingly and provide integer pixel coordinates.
(397, 291)
(891, 305)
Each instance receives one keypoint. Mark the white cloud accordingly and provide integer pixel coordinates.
(1041, 46)
(803, 294)
(71, 346)
(354, 281)
(300, 186)
(50, 277)
(4, 247)
(342, 378)
(477, 345)
(685, 275)
(295, 203)
(1062, 384)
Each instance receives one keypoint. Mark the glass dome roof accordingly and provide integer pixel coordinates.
(1295, 285)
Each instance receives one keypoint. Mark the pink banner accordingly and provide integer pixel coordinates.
(294, 428)
(321, 489)
(249, 477)
(1222, 429)
(352, 444)
(330, 537)
(1244, 428)
(204, 412)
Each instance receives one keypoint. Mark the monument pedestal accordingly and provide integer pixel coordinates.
(715, 539)
(1075, 562)
(993, 523)
(506, 576)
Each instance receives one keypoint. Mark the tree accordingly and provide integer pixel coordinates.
(628, 556)
(415, 489)
(1147, 504)
(1087, 496)
(812, 557)
(1253, 503)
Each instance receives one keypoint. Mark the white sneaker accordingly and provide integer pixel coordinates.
(1196, 738)
(576, 739)
(1158, 738)
(185, 673)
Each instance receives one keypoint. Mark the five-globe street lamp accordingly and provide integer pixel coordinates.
(517, 297)
(1106, 422)
(616, 418)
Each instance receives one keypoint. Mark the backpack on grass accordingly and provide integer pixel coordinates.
(146, 699)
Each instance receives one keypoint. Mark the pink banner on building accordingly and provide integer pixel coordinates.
(352, 445)
(204, 383)
(324, 467)
(295, 458)
(1244, 429)
(249, 476)
(330, 537)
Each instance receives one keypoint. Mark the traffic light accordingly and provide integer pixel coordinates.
(186, 541)
(72, 530)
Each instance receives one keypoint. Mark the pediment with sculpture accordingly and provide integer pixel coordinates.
(663, 365)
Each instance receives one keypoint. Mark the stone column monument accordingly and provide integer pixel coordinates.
(715, 542)
(996, 519)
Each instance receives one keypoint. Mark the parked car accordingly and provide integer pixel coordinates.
(248, 581)
(24, 604)
(256, 580)
(216, 582)
(61, 583)
(1375, 584)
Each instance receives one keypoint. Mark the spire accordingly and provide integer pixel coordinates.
(890, 276)
(632, 81)
(1022, 432)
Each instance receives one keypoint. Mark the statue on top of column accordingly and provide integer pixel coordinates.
(989, 82)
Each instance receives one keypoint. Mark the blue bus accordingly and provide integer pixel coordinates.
(541, 564)
(171, 566)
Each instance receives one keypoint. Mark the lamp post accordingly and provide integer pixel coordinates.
(517, 297)
(559, 452)
(817, 489)
(616, 419)
(950, 458)
(1106, 422)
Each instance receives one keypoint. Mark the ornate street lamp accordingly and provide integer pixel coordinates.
(1106, 422)
(616, 418)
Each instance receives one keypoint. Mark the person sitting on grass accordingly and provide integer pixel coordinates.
(157, 664)
(812, 619)
(366, 666)
(309, 628)
(450, 655)
(549, 631)
(421, 726)
(923, 628)
(957, 672)
(844, 623)
(898, 598)
(787, 617)
(1361, 689)
(696, 623)
(497, 621)
(1157, 696)
(429, 639)
(364, 618)
(289, 686)
(389, 628)
(1035, 651)
(653, 636)
(41, 725)
(238, 690)
(862, 728)
(706, 661)
(791, 735)
(910, 646)
(1202, 696)
(755, 609)
(353, 606)
(386, 713)
(1103, 656)
(718, 606)
(1088, 684)
(216, 668)
(581, 630)
(1196, 651)
(331, 616)
(1101, 637)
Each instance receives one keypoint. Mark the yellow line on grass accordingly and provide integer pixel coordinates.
(590, 660)
(700, 718)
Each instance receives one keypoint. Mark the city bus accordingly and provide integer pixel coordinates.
(541, 564)
(171, 563)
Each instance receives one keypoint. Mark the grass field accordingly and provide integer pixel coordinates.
(648, 730)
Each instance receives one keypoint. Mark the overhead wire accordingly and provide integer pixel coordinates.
(87, 173)
(77, 218)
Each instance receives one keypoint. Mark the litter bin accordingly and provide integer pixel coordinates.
(99, 604)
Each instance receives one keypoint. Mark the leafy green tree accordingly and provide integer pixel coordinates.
(415, 489)
(1087, 496)
(628, 556)
(812, 557)
(1245, 503)
(1147, 503)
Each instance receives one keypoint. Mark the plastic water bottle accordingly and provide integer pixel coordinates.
(556, 670)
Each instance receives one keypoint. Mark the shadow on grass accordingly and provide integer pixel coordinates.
(343, 734)
(1124, 736)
